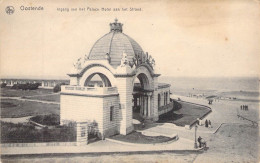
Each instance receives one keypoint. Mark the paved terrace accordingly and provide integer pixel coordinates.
(185, 113)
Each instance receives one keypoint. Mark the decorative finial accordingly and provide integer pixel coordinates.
(116, 26)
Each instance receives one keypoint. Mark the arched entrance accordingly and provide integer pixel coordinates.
(97, 80)
(92, 72)
(142, 92)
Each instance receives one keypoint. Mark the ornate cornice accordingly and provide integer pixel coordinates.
(80, 74)
(73, 75)
(124, 75)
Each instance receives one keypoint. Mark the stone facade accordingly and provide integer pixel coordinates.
(118, 61)
(86, 106)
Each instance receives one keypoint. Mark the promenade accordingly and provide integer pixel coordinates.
(103, 147)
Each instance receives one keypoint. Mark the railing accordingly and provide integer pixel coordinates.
(244, 118)
(88, 90)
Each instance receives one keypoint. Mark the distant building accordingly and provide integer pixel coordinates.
(46, 84)
(129, 85)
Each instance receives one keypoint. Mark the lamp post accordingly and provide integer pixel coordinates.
(195, 142)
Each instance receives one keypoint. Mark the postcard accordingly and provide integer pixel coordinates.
(129, 81)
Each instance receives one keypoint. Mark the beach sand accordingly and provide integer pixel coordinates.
(236, 140)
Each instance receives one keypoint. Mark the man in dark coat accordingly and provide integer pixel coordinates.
(206, 123)
(199, 140)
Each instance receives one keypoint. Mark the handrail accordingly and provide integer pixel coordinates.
(244, 118)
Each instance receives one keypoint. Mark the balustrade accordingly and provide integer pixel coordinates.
(89, 90)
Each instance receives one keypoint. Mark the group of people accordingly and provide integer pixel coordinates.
(207, 123)
(244, 107)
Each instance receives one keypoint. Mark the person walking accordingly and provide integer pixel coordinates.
(209, 124)
(199, 140)
(200, 122)
(206, 123)
(240, 107)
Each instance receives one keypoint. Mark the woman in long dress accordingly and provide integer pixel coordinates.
(210, 124)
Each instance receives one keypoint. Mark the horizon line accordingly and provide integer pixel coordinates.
(67, 78)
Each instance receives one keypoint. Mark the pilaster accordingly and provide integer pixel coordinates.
(155, 100)
(125, 89)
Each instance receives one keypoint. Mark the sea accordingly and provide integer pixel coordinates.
(234, 88)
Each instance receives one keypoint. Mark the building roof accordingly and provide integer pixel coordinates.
(115, 43)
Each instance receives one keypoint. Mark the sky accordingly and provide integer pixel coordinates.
(200, 38)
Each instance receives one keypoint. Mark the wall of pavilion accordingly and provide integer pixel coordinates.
(119, 61)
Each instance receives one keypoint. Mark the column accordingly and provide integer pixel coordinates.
(164, 95)
(140, 98)
(155, 100)
(142, 106)
(145, 106)
(135, 101)
(149, 105)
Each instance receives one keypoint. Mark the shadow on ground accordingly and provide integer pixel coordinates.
(183, 113)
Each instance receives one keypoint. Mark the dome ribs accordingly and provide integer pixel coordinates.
(115, 43)
(101, 47)
(119, 45)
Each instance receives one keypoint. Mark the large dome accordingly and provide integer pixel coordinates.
(115, 43)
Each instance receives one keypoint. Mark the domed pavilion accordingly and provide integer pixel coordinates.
(113, 84)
